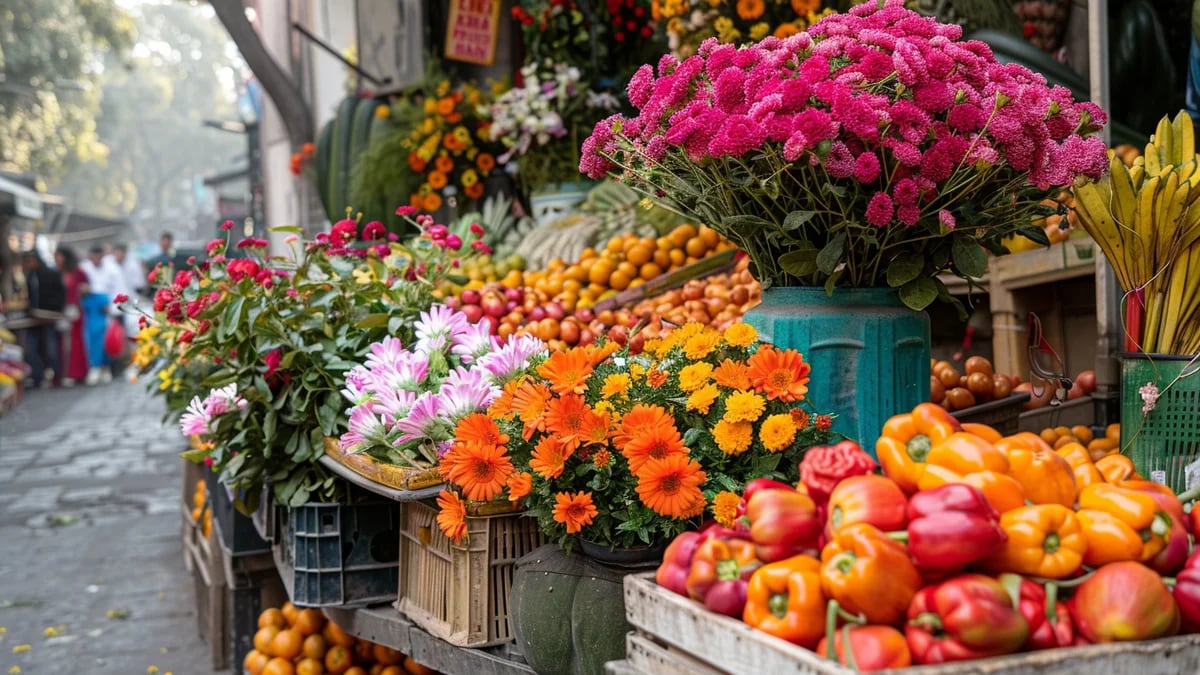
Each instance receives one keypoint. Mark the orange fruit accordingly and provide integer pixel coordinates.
(309, 622)
(338, 660)
(314, 647)
(263, 638)
(640, 254)
(695, 247)
(286, 644)
(600, 271)
(619, 280)
(336, 636)
(680, 235)
(255, 661)
(363, 651)
(627, 268)
(356, 670)
(649, 271)
(278, 666)
(289, 612)
(386, 655)
(272, 617)
(677, 257)
(377, 668)
(415, 668)
(392, 670)
(310, 666)
(709, 236)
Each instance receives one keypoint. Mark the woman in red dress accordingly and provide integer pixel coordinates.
(74, 353)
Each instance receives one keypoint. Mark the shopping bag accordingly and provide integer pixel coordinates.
(114, 339)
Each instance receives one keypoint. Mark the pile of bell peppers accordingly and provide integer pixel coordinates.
(961, 543)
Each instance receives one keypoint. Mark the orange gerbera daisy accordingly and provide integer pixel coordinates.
(530, 401)
(732, 375)
(502, 407)
(549, 458)
(452, 516)
(575, 511)
(671, 486)
(640, 419)
(482, 471)
(567, 371)
(781, 375)
(656, 442)
(570, 418)
(519, 486)
(479, 428)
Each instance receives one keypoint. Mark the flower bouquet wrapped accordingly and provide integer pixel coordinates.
(875, 149)
(627, 449)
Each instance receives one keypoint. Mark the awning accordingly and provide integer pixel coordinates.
(19, 200)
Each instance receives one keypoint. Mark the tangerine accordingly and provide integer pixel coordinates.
(710, 237)
(600, 271)
(649, 271)
(415, 668)
(272, 617)
(263, 638)
(289, 612)
(619, 280)
(279, 666)
(386, 655)
(338, 660)
(254, 662)
(310, 666)
(392, 670)
(314, 647)
(695, 247)
(363, 651)
(309, 622)
(287, 644)
(680, 235)
(640, 254)
(334, 635)
(356, 670)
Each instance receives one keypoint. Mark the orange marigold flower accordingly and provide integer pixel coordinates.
(702, 399)
(431, 202)
(641, 418)
(567, 371)
(485, 161)
(575, 511)
(519, 486)
(786, 30)
(733, 438)
(482, 471)
(740, 334)
(702, 344)
(777, 432)
(800, 419)
(744, 406)
(732, 375)
(671, 486)
(750, 10)
(781, 375)
(804, 7)
(602, 458)
(824, 422)
(445, 106)
(656, 377)
(444, 163)
(479, 428)
(656, 442)
(725, 506)
(452, 516)
(570, 418)
(549, 458)
(437, 179)
(474, 191)
(530, 401)
(695, 375)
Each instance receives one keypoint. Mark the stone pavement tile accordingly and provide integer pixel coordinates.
(36, 499)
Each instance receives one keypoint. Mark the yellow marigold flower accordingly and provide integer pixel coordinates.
(702, 399)
(740, 334)
(777, 432)
(759, 30)
(616, 384)
(700, 346)
(469, 178)
(694, 376)
(637, 370)
(724, 507)
(744, 406)
(382, 112)
(603, 407)
(733, 438)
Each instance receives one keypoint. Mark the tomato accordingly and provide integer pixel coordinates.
(1087, 380)
(979, 364)
(980, 384)
(948, 375)
(937, 390)
(959, 398)
(1001, 387)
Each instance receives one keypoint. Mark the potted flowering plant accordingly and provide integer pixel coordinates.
(866, 156)
(283, 331)
(688, 23)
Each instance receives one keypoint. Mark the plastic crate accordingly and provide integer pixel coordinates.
(1003, 415)
(235, 531)
(1164, 442)
(460, 593)
(341, 554)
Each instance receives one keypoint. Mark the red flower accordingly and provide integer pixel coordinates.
(344, 232)
(242, 267)
(227, 225)
(183, 278)
(121, 297)
(194, 308)
(824, 467)
(273, 359)
(373, 230)
(162, 297)
(186, 337)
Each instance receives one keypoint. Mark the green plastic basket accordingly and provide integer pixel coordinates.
(1164, 442)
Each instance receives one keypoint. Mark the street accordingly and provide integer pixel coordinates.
(92, 578)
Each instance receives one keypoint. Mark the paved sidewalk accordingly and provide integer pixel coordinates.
(91, 567)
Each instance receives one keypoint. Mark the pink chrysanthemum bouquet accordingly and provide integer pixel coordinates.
(875, 148)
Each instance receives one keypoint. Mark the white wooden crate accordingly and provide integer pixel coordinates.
(724, 645)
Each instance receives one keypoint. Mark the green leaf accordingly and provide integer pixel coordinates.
(968, 257)
(1037, 234)
(287, 229)
(904, 269)
(831, 282)
(797, 219)
(741, 222)
(268, 425)
(919, 293)
(800, 261)
(831, 255)
(373, 321)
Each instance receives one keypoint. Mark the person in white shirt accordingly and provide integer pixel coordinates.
(135, 284)
(105, 282)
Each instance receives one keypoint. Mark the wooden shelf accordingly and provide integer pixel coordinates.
(1071, 259)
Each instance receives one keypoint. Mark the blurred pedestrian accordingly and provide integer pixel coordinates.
(45, 290)
(135, 284)
(105, 281)
(166, 257)
(74, 350)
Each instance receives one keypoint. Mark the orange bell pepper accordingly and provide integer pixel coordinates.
(1137, 510)
(1082, 467)
(1046, 540)
(869, 573)
(1116, 468)
(1163, 495)
(1109, 538)
(983, 431)
(784, 599)
(907, 439)
(1045, 477)
(1022, 439)
(966, 453)
(1002, 491)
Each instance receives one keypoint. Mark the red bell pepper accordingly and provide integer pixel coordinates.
(1050, 622)
(951, 527)
(825, 466)
(783, 523)
(758, 485)
(871, 648)
(875, 500)
(1172, 558)
(1124, 601)
(672, 574)
(968, 617)
(720, 571)
(1187, 592)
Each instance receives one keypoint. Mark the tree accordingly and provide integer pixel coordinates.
(47, 95)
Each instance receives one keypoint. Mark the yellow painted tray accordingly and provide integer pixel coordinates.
(390, 475)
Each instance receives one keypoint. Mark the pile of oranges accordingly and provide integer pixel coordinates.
(293, 641)
(1098, 447)
(717, 301)
(201, 514)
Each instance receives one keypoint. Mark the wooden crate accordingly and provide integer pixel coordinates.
(460, 593)
(673, 623)
(390, 475)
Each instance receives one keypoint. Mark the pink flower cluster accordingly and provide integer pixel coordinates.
(881, 95)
